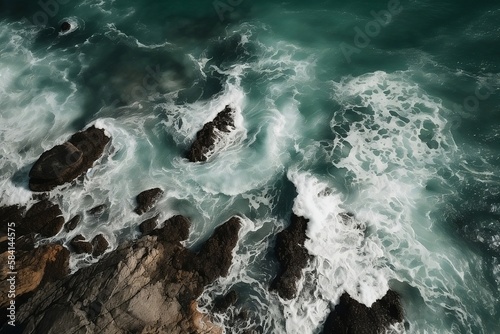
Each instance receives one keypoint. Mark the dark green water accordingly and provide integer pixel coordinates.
(386, 109)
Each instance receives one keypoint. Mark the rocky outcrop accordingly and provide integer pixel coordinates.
(64, 163)
(207, 136)
(146, 286)
(147, 199)
(72, 223)
(292, 257)
(80, 245)
(99, 245)
(44, 217)
(350, 316)
(45, 263)
(147, 226)
(215, 256)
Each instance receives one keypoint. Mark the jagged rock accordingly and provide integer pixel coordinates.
(222, 303)
(206, 137)
(215, 256)
(174, 229)
(350, 316)
(99, 245)
(147, 226)
(72, 223)
(44, 264)
(98, 210)
(146, 286)
(147, 199)
(292, 257)
(64, 163)
(43, 217)
(80, 245)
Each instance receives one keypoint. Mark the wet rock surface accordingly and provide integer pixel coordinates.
(44, 217)
(350, 316)
(64, 163)
(292, 257)
(147, 199)
(146, 286)
(207, 136)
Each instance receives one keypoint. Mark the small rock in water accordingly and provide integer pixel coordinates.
(80, 245)
(98, 210)
(99, 245)
(65, 26)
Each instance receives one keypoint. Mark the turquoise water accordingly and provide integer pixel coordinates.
(393, 118)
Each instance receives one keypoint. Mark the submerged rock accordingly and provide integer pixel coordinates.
(98, 210)
(64, 163)
(147, 199)
(222, 303)
(72, 223)
(207, 136)
(350, 316)
(292, 257)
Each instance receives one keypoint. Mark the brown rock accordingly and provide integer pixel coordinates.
(292, 256)
(99, 245)
(47, 263)
(206, 137)
(66, 162)
(80, 245)
(147, 199)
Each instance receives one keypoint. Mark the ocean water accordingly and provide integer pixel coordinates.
(389, 110)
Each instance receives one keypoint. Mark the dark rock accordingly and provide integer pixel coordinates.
(80, 245)
(25, 242)
(12, 215)
(215, 256)
(56, 163)
(64, 163)
(99, 245)
(147, 199)
(350, 316)
(98, 210)
(147, 226)
(134, 288)
(43, 217)
(65, 26)
(222, 303)
(175, 229)
(292, 257)
(72, 223)
(206, 137)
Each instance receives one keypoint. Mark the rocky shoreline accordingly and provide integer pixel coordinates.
(148, 285)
